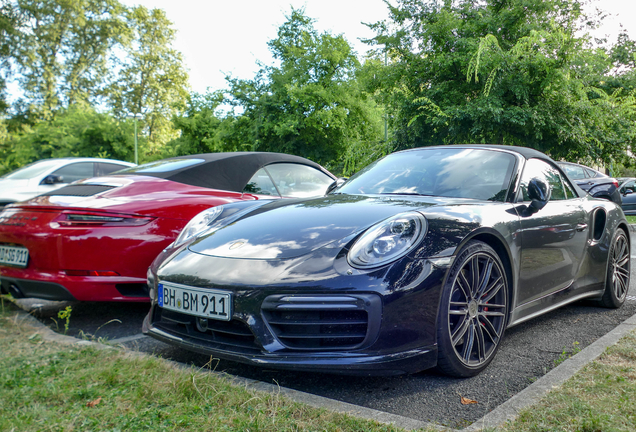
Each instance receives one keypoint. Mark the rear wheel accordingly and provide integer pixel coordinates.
(473, 311)
(618, 268)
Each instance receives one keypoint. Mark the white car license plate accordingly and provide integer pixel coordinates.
(201, 302)
(14, 255)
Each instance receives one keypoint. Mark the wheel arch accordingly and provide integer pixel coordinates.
(625, 228)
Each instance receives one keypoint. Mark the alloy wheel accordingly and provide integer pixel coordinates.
(477, 309)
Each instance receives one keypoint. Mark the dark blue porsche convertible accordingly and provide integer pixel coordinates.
(422, 259)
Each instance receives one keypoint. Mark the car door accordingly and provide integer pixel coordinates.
(628, 193)
(553, 239)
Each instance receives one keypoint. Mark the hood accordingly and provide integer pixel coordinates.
(283, 230)
(17, 189)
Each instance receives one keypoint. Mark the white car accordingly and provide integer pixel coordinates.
(47, 175)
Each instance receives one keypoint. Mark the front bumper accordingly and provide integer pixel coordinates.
(349, 363)
(376, 322)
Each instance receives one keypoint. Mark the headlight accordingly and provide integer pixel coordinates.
(199, 224)
(388, 240)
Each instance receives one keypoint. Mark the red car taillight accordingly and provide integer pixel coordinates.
(71, 218)
(615, 183)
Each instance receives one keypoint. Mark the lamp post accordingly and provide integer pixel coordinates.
(136, 151)
(134, 116)
(386, 128)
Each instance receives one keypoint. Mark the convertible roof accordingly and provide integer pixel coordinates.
(225, 171)
(526, 152)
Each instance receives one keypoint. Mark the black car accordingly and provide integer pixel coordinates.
(593, 182)
(422, 259)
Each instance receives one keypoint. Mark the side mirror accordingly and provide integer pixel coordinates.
(336, 184)
(539, 192)
(52, 179)
(627, 191)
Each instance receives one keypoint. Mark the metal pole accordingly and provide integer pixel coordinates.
(136, 153)
(386, 129)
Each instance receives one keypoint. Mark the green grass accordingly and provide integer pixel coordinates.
(602, 397)
(47, 386)
(631, 219)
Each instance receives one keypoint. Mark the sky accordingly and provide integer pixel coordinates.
(228, 37)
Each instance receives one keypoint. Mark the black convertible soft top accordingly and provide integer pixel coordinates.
(225, 171)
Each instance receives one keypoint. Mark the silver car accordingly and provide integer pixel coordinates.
(50, 174)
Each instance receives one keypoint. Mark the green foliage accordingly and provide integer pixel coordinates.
(311, 104)
(494, 71)
(73, 54)
(77, 131)
(151, 82)
(8, 29)
(565, 354)
(503, 72)
(65, 314)
(55, 386)
(202, 129)
(61, 49)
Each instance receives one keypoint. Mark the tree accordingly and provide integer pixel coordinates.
(8, 29)
(75, 131)
(74, 58)
(61, 49)
(501, 72)
(310, 104)
(200, 127)
(151, 82)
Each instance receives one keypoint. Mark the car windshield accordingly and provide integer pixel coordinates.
(32, 170)
(445, 172)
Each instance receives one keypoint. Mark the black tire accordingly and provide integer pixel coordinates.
(473, 311)
(618, 271)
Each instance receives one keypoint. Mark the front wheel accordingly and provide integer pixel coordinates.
(473, 311)
(618, 272)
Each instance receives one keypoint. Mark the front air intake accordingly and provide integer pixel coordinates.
(323, 322)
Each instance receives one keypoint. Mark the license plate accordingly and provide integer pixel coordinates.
(14, 255)
(205, 303)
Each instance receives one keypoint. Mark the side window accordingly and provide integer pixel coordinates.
(298, 181)
(103, 168)
(591, 173)
(575, 172)
(76, 171)
(536, 168)
(630, 185)
(261, 184)
(569, 190)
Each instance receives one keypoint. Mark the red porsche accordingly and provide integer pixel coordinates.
(94, 239)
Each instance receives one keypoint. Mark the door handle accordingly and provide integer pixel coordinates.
(581, 227)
